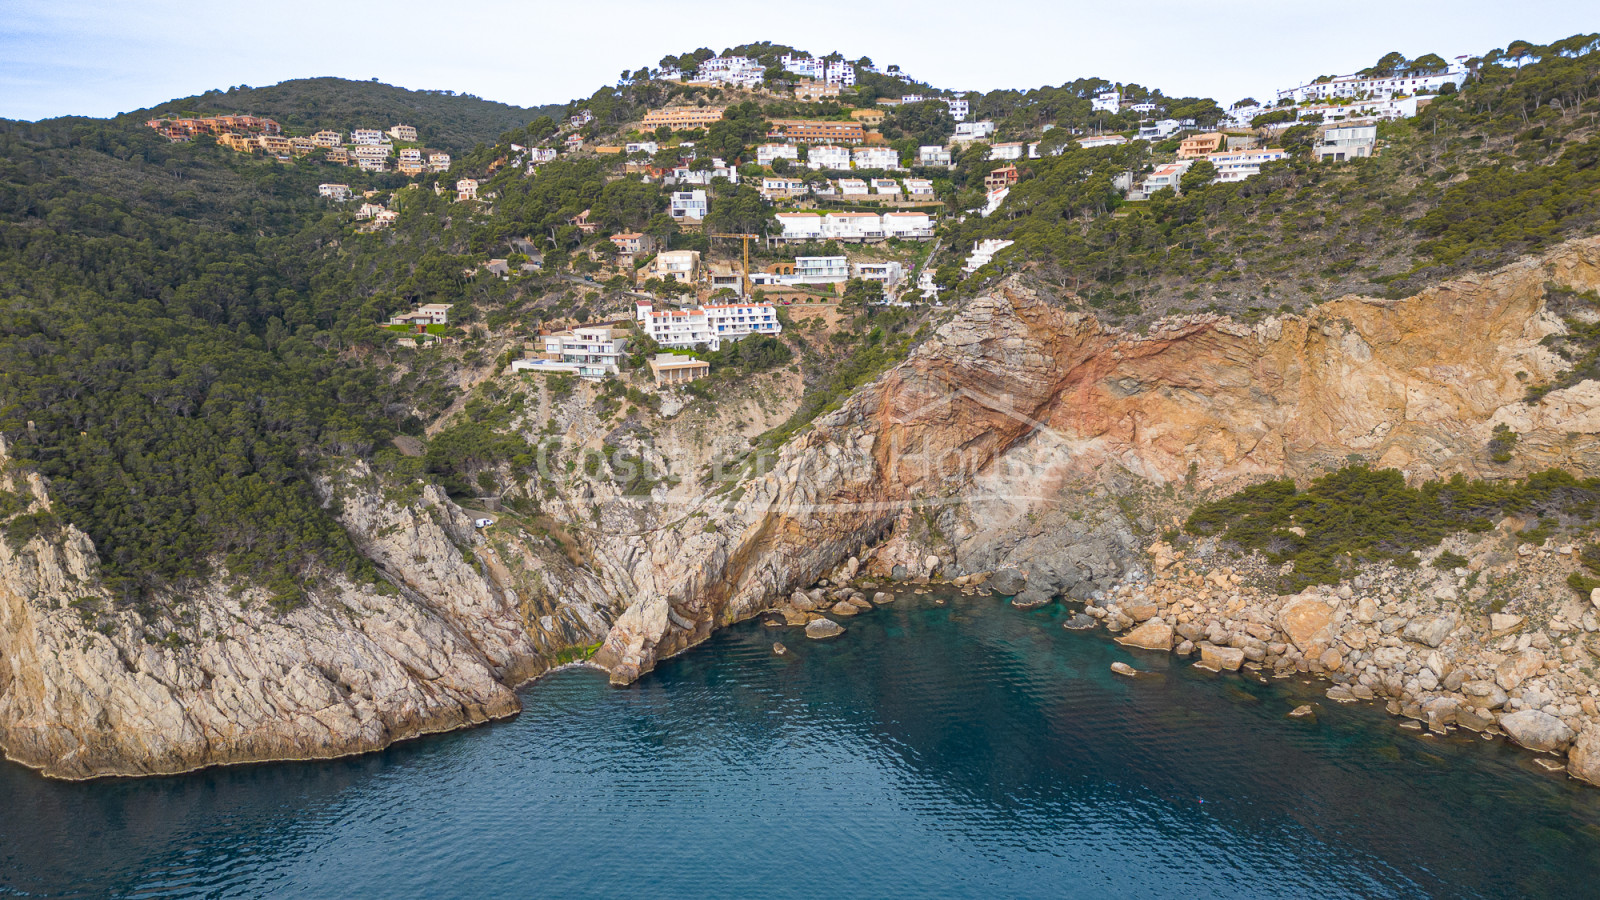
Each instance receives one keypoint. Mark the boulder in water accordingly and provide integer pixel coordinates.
(823, 628)
(1536, 729)
(1008, 582)
(1078, 622)
(1030, 598)
(1122, 668)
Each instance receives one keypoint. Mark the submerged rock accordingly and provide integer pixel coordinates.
(823, 628)
(779, 649)
(1303, 711)
(1078, 622)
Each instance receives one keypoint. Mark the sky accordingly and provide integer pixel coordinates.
(71, 57)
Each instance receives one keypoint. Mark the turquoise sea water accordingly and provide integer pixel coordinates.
(956, 750)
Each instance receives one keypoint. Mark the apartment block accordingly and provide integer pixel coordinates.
(681, 118)
(816, 131)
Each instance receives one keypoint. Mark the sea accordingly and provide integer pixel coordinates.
(944, 746)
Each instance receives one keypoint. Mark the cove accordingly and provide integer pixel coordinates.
(958, 748)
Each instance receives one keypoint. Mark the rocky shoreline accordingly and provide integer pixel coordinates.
(1408, 638)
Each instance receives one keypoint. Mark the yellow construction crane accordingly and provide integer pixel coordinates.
(744, 239)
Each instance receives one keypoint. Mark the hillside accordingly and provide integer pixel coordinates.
(1506, 166)
(216, 448)
(444, 119)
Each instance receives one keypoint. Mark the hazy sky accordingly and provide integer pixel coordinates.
(60, 57)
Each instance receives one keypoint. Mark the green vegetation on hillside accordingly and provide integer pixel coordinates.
(1360, 515)
(443, 119)
(1506, 166)
(162, 359)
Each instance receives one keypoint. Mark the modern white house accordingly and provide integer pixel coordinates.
(1164, 176)
(781, 187)
(767, 154)
(886, 158)
(885, 186)
(934, 156)
(719, 169)
(688, 205)
(820, 269)
(1350, 141)
(426, 314)
(1008, 150)
(908, 226)
(367, 136)
(993, 199)
(828, 156)
(1155, 131)
(853, 226)
(919, 188)
(1109, 140)
(633, 147)
(466, 189)
(1237, 165)
(959, 109)
(334, 191)
(709, 326)
(1107, 101)
(591, 351)
(682, 266)
(368, 210)
(853, 187)
(983, 253)
(886, 272)
(800, 227)
(973, 131)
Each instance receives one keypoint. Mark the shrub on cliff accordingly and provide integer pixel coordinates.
(1360, 515)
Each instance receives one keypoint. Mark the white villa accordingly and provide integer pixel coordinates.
(766, 154)
(426, 314)
(590, 352)
(828, 156)
(983, 253)
(886, 158)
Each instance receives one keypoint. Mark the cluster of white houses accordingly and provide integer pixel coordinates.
(706, 326)
(853, 227)
(781, 187)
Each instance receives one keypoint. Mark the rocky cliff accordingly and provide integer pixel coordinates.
(87, 689)
(1006, 437)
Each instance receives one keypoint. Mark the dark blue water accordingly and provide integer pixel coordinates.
(937, 751)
